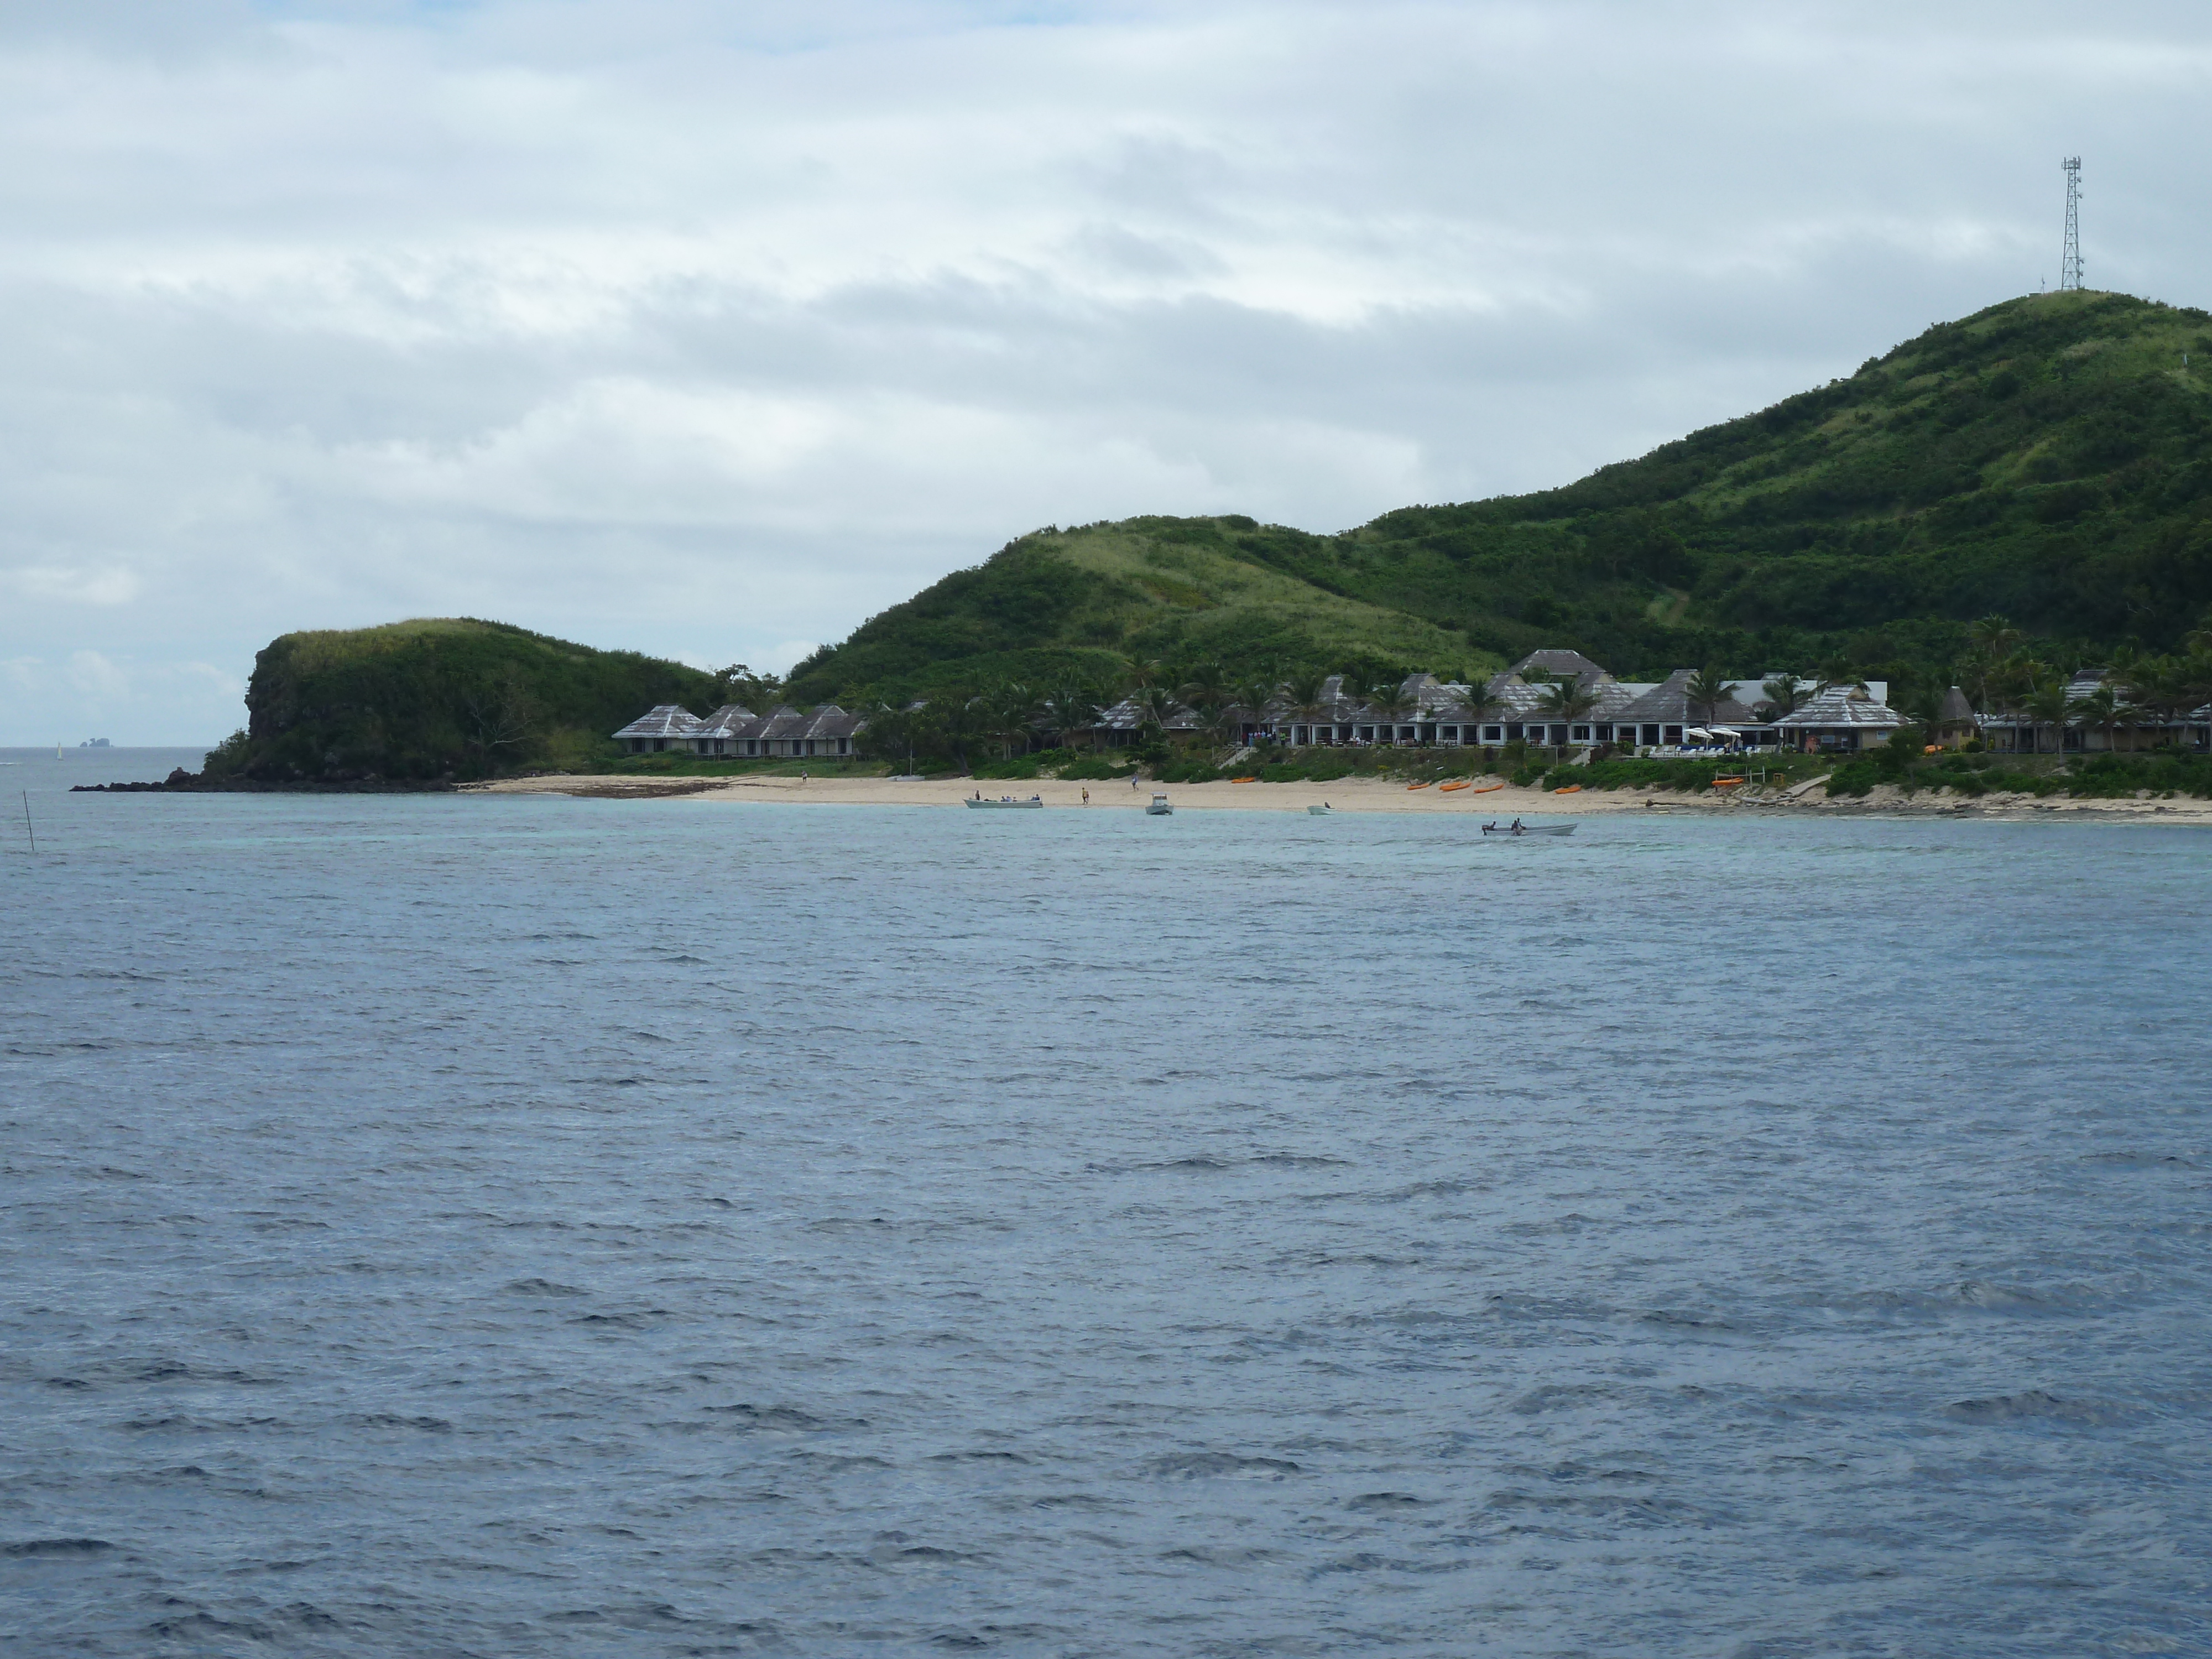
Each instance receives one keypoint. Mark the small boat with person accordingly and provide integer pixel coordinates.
(977, 799)
(1517, 828)
(1321, 810)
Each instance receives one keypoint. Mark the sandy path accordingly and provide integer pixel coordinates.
(1344, 795)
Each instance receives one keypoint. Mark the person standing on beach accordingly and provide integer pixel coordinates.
(1086, 798)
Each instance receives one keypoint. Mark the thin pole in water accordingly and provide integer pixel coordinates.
(27, 831)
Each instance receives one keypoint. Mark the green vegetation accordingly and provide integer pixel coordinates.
(443, 699)
(2049, 459)
(2160, 773)
(1991, 504)
(1091, 604)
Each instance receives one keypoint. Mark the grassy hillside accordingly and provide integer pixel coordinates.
(1088, 601)
(2049, 459)
(439, 698)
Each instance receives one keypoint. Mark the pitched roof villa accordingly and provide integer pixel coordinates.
(1529, 702)
(735, 733)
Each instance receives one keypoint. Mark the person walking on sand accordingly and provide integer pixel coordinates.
(1086, 798)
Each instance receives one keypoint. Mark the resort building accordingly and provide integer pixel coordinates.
(667, 726)
(723, 732)
(1549, 699)
(735, 733)
(1843, 717)
(2128, 726)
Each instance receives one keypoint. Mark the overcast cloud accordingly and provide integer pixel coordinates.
(711, 330)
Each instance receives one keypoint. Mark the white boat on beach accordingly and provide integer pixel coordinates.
(1527, 828)
(1159, 808)
(1006, 801)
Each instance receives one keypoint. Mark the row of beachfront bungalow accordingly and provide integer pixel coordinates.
(735, 733)
(1433, 714)
(2014, 732)
(1512, 708)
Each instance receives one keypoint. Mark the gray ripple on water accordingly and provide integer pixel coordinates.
(440, 1226)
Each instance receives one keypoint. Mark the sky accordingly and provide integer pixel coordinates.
(711, 330)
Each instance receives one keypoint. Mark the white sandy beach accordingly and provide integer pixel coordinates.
(1344, 795)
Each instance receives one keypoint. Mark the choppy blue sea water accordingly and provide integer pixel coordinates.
(494, 1226)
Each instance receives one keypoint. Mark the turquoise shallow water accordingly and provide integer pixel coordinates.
(503, 1225)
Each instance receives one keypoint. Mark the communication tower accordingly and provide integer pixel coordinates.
(2069, 260)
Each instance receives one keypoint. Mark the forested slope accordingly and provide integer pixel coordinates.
(443, 698)
(2049, 459)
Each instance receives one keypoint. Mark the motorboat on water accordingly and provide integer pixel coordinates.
(1006, 801)
(1159, 808)
(1527, 828)
(1321, 810)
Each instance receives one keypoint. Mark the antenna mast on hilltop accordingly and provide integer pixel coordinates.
(2069, 261)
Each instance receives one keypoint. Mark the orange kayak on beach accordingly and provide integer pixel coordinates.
(1489, 788)
(1417, 786)
(1570, 789)
(1243, 780)
(1448, 788)
(1724, 783)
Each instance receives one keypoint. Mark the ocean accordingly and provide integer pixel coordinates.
(488, 1225)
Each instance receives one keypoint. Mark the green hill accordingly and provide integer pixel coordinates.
(1091, 600)
(442, 698)
(2049, 459)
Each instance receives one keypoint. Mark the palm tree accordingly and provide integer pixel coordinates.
(1784, 696)
(1922, 697)
(2045, 704)
(1302, 694)
(2107, 709)
(1388, 698)
(1993, 635)
(1569, 699)
(1708, 690)
(1990, 639)
(1010, 715)
(1156, 706)
(2013, 680)
(1255, 694)
(1483, 705)
(959, 719)
(1206, 693)
(1205, 680)
(1070, 707)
